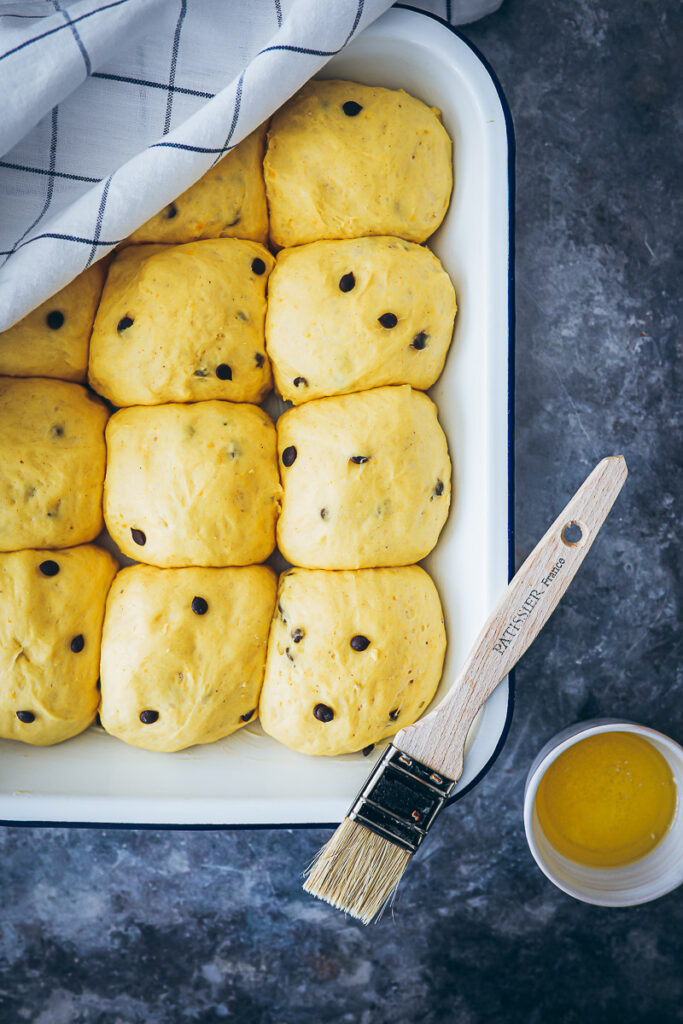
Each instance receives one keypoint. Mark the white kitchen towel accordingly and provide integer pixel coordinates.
(110, 108)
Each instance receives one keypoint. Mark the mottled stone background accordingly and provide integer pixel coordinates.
(134, 927)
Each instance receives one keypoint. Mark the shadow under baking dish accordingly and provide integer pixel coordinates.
(248, 780)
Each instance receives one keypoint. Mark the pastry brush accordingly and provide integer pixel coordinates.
(359, 869)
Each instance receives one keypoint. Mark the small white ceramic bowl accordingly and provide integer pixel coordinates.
(646, 879)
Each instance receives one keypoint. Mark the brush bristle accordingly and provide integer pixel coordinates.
(357, 871)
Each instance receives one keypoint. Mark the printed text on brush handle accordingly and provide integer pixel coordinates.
(438, 740)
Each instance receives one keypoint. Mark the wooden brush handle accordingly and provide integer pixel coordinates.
(438, 740)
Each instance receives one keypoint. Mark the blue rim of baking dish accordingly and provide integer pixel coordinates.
(213, 827)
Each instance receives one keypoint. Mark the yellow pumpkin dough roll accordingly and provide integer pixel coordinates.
(366, 477)
(352, 658)
(52, 455)
(355, 314)
(346, 160)
(192, 484)
(183, 323)
(228, 201)
(183, 653)
(53, 340)
(51, 611)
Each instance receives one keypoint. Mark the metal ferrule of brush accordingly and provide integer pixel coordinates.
(401, 799)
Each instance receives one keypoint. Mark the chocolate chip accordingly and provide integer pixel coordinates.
(201, 372)
(419, 341)
(388, 320)
(300, 382)
(393, 715)
(77, 644)
(289, 456)
(171, 211)
(26, 716)
(323, 513)
(323, 713)
(359, 642)
(351, 108)
(124, 323)
(282, 613)
(223, 372)
(149, 717)
(438, 488)
(49, 568)
(55, 319)
(359, 459)
(260, 358)
(368, 750)
(297, 635)
(249, 714)
(258, 266)
(200, 606)
(347, 282)
(138, 536)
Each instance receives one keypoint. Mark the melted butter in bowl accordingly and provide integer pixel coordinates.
(607, 801)
(602, 815)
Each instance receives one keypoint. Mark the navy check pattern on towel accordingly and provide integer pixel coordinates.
(111, 108)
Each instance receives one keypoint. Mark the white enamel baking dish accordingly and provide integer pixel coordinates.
(249, 779)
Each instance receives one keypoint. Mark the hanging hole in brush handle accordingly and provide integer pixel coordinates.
(572, 534)
(438, 739)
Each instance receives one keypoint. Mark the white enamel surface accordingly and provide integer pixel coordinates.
(248, 778)
(646, 879)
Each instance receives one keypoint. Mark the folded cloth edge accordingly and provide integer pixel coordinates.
(108, 212)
